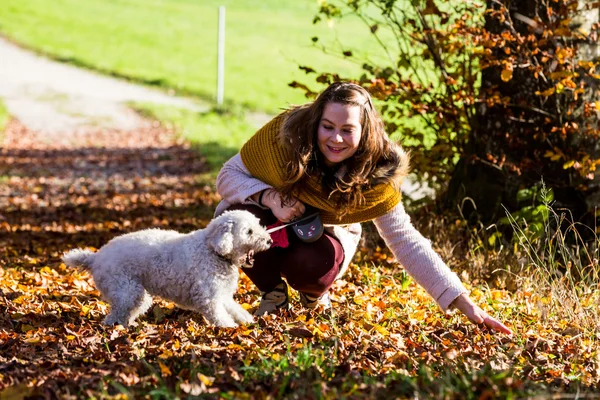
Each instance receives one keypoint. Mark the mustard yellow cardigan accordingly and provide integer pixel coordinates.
(266, 158)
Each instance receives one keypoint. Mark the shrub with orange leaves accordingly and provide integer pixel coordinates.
(489, 96)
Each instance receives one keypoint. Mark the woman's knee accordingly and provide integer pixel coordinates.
(313, 267)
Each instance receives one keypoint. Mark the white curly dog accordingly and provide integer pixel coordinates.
(197, 271)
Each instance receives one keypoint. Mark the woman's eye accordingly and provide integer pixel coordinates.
(328, 127)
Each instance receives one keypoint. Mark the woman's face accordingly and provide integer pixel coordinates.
(339, 132)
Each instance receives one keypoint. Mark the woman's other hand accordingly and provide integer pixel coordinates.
(477, 315)
(282, 211)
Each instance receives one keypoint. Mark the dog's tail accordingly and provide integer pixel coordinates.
(78, 258)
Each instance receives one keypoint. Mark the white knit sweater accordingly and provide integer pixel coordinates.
(411, 249)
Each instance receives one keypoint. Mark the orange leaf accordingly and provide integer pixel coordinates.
(547, 92)
(206, 380)
(164, 370)
(506, 75)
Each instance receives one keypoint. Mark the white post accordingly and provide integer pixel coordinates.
(221, 57)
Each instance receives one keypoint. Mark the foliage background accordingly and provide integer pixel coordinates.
(491, 97)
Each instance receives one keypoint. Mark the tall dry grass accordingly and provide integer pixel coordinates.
(552, 257)
(562, 266)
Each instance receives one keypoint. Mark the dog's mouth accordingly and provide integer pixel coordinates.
(249, 261)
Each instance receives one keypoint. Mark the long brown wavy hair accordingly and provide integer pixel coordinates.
(377, 159)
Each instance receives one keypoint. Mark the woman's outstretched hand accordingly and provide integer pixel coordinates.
(477, 315)
(283, 212)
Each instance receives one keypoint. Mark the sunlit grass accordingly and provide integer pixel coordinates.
(173, 43)
(3, 118)
(218, 135)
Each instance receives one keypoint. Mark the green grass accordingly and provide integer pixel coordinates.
(3, 118)
(173, 43)
(317, 372)
(217, 135)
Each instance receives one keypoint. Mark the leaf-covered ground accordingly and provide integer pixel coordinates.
(385, 338)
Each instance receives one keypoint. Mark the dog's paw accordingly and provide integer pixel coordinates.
(111, 320)
(245, 318)
(227, 325)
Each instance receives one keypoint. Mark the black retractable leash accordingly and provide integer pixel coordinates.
(308, 228)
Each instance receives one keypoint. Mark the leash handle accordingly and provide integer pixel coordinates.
(293, 222)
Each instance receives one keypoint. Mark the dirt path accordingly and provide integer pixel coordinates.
(75, 155)
(58, 98)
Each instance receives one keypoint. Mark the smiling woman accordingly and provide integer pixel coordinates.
(332, 155)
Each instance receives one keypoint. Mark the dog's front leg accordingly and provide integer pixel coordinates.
(217, 315)
(119, 316)
(206, 301)
(238, 312)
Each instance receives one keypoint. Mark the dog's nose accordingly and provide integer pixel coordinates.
(269, 241)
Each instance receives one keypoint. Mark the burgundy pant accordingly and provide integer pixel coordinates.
(308, 267)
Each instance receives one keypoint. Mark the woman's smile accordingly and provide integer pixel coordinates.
(336, 149)
(339, 132)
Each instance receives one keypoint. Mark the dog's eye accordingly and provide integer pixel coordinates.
(249, 231)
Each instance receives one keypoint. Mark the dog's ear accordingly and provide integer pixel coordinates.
(220, 238)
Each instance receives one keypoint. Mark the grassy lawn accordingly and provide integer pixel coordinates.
(217, 135)
(172, 43)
